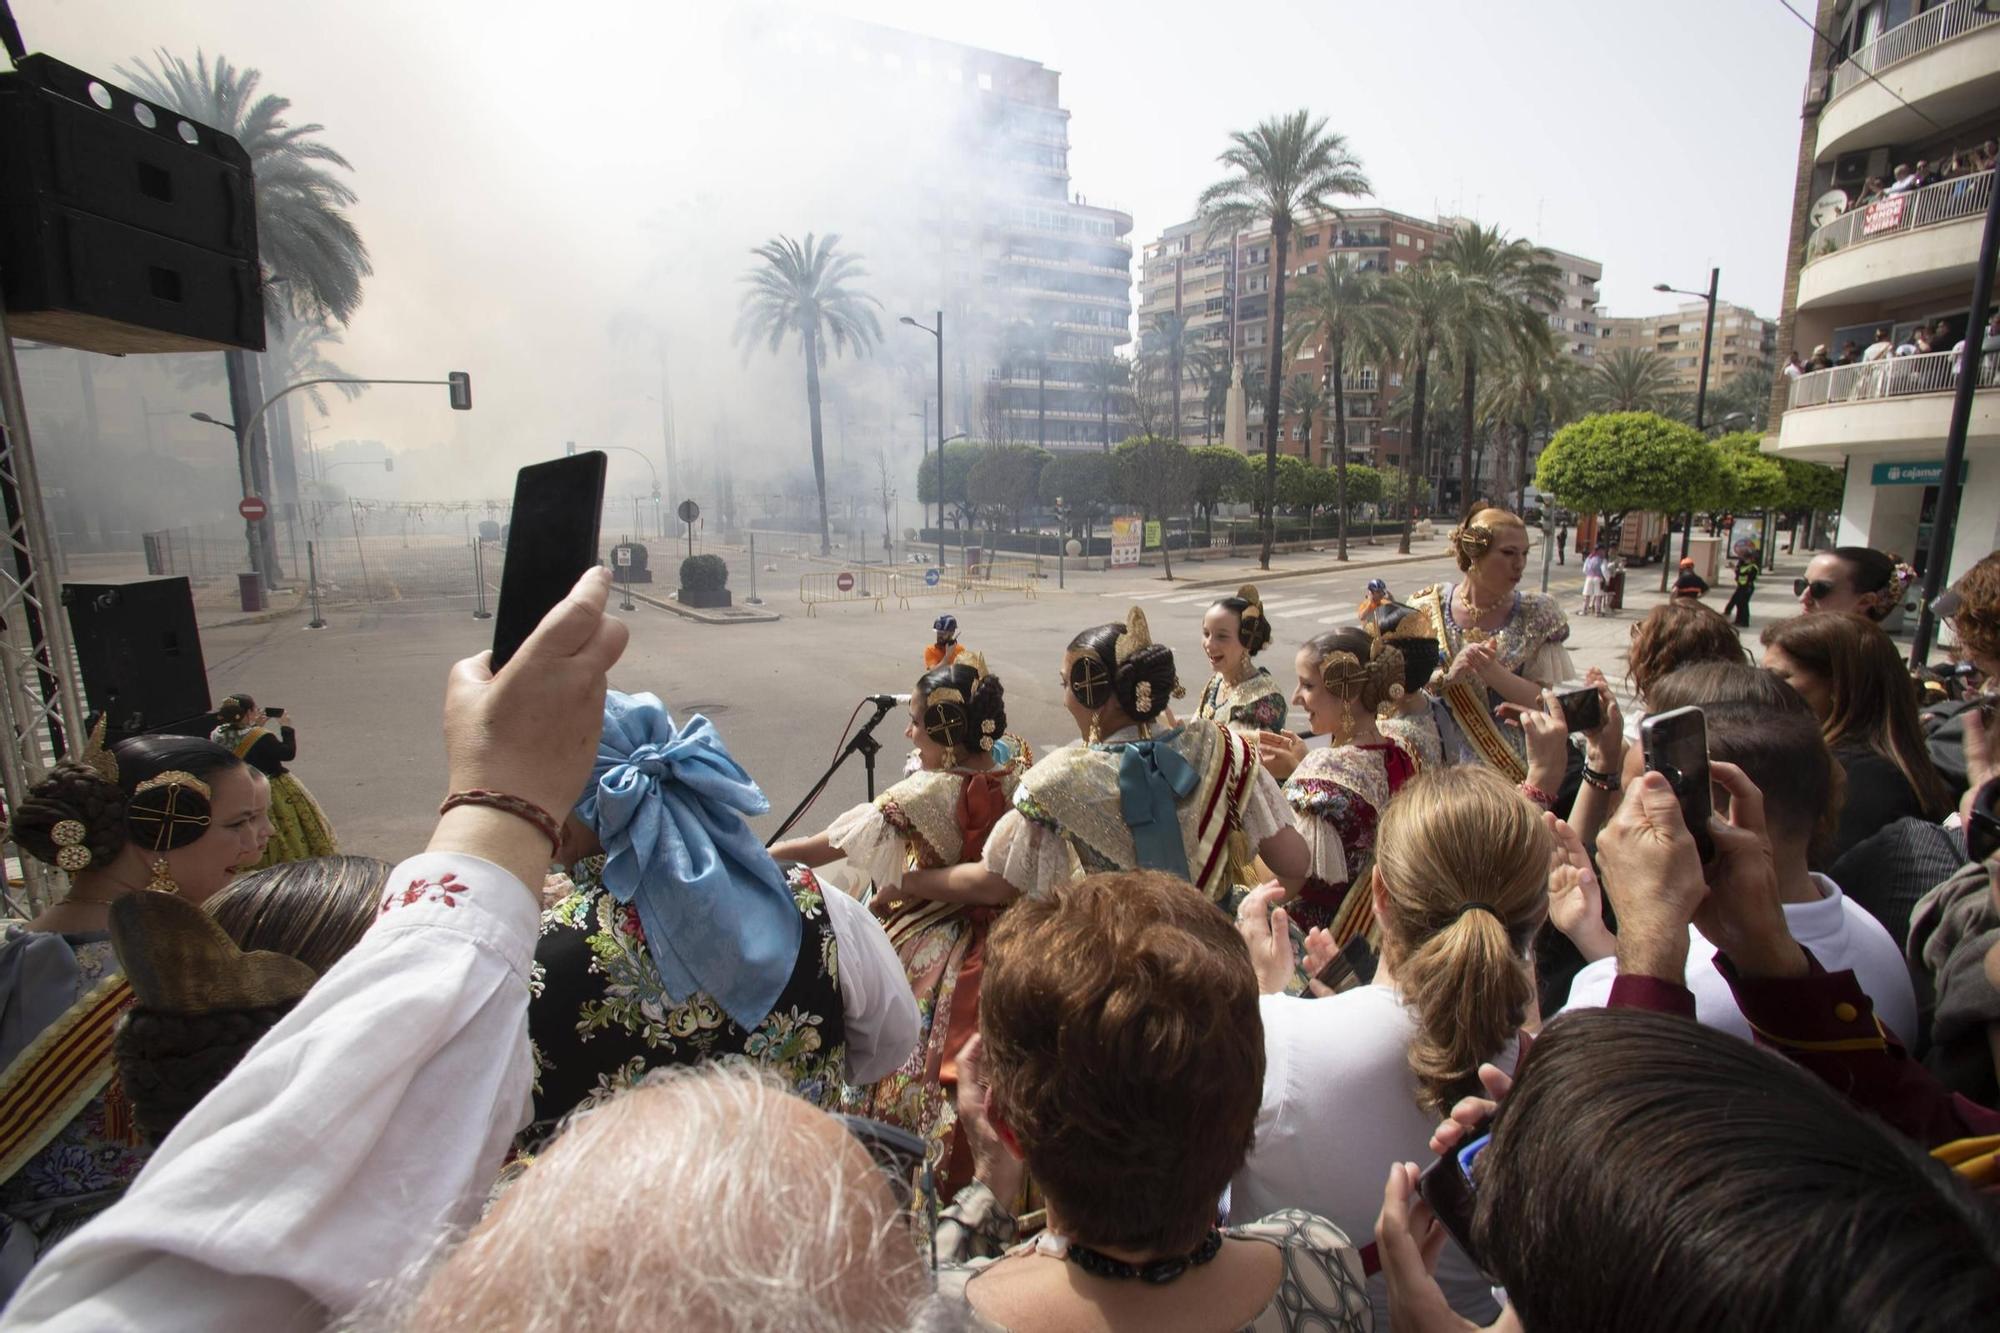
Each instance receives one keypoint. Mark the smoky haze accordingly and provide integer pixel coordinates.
(564, 209)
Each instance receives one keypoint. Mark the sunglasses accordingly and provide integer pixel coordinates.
(1821, 589)
(1982, 829)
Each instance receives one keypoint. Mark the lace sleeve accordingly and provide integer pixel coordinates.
(1027, 852)
(1264, 808)
(1323, 1286)
(873, 846)
(1324, 843)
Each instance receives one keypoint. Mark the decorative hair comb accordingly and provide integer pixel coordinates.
(96, 756)
(1136, 635)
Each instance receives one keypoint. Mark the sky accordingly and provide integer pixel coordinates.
(557, 197)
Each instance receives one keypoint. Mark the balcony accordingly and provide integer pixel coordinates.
(1944, 65)
(1898, 246)
(1899, 405)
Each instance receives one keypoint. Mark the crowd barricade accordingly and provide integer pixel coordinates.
(906, 585)
(1001, 575)
(863, 585)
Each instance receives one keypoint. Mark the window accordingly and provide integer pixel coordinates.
(1402, 264)
(1423, 244)
(1402, 238)
(1309, 241)
(986, 83)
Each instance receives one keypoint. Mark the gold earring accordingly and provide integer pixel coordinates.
(163, 878)
(1095, 736)
(1344, 729)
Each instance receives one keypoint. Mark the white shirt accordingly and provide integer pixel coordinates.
(878, 1009)
(1876, 351)
(1840, 934)
(1340, 1105)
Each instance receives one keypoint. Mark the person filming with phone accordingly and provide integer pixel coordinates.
(266, 739)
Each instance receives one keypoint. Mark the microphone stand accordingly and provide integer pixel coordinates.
(863, 744)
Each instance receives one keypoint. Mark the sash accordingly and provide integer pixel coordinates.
(1468, 703)
(50, 1082)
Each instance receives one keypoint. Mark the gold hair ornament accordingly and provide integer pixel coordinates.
(1142, 698)
(1344, 675)
(1471, 540)
(68, 836)
(944, 694)
(96, 756)
(1248, 593)
(174, 782)
(1133, 637)
(174, 777)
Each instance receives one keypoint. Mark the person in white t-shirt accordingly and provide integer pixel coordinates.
(1356, 1081)
(1761, 725)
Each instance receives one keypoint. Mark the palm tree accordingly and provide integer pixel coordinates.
(1423, 304)
(1030, 342)
(1304, 398)
(1108, 378)
(1172, 342)
(311, 255)
(1344, 313)
(1288, 168)
(1212, 370)
(1630, 380)
(1531, 381)
(800, 289)
(1498, 279)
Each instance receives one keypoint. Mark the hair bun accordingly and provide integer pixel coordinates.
(72, 797)
(1146, 682)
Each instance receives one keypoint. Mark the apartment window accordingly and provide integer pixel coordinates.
(1402, 264)
(986, 83)
(1402, 238)
(1310, 240)
(1422, 244)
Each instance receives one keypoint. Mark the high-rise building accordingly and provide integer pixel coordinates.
(1894, 86)
(1576, 320)
(1743, 340)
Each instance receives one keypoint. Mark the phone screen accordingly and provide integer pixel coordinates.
(1583, 710)
(1446, 1185)
(1676, 746)
(551, 542)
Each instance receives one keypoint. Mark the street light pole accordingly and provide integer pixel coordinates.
(1700, 392)
(937, 333)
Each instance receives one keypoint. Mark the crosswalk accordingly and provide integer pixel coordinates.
(1317, 606)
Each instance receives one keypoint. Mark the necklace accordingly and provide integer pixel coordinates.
(1154, 1272)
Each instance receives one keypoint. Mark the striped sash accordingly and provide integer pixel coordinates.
(50, 1082)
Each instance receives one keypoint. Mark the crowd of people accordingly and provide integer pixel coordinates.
(1889, 351)
(1148, 1028)
(1909, 176)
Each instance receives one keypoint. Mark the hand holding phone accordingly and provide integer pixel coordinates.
(1582, 710)
(1446, 1185)
(1676, 747)
(274, 712)
(551, 542)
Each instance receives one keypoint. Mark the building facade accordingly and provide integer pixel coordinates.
(1744, 340)
(1898, 84)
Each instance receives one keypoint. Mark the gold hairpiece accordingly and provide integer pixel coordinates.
(1248, 593)
(976, 661)
(174, 777)
(96, 756)
(1344, 675)
(1134, 636)
(944, 694)
(1415, 625)
(1142, 697)
(1472, 539)
(68, 836)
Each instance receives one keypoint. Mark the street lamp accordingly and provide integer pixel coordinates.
(249, 489)
(937, 333)
(1700, 390)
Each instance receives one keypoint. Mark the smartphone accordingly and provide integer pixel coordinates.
(1676, 747)
(1353, 966)
(1583, 710)
(551, 542)
(1446, 1185)
(274, 712)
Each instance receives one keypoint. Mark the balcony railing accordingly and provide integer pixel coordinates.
(1947, 201)
(1933, 27)
(1891, 377)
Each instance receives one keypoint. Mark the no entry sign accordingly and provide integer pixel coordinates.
(253, 508)
(845, 582)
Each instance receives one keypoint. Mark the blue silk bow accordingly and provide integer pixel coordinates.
(1153, 779)
(668, 803)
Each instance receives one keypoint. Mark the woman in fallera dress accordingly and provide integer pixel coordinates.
(937, 817)
(1240, 694)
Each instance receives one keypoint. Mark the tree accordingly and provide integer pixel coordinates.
(310, 253)
(1220, 474)
(1110, 380)
(1343, 312)
(1304, 399)
(959, 456)
(1170, 342)
(1750, 479)
(1158, 475)
(1084, 484)
(1498, 281)
(1748, 396)
(1002, 481)
(1614, 463)
(1028, 343)
(1532, 381)
(1423, 303)
(1303, 486)
(1149, 398)
(801, 290)
(1630, 380)
(1215, 370)
(1364, 485)
(1287, 169)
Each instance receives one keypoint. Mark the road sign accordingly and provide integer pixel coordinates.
(845, 582)
(622, 556)
(931, 577)
(253, 509)
(689, 511)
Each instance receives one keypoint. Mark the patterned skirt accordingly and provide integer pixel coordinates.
(299, 828)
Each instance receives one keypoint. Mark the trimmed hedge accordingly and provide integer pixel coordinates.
(704, 573)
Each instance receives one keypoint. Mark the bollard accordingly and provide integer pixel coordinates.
(752, 599)
(312, 586)
(479, 582)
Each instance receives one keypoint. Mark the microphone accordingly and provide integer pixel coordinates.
(886, 700)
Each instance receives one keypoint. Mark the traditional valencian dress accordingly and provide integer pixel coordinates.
(931, 819)
(1255, 703)
(1337, 797)
(1418, 734)
(1094, 807)
(300, 830)
(1529, 644)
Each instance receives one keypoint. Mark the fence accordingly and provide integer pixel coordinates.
(1001, 576)
(1933, 27)
(865, 584)
(1891, 377)
(907, 585)
(1947, 201)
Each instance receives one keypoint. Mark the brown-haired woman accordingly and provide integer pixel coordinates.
(1356, 1081)
(939, 816)
(299, 828)
(1849, 671)
(1240, 693)
(1122, 1058)
(1501, 645)
(1674, 634)
(163, 813)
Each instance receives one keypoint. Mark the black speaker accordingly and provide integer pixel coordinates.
(140, 653)
(124, 227)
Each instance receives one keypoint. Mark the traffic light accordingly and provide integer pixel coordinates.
(461, 390)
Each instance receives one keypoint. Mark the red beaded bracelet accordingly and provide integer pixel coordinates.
(513, 805)
(1536, 794)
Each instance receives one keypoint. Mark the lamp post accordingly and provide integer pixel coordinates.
(937, 333)
(1700, 391)
(249, 489)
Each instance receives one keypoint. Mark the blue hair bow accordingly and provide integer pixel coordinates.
(668, 803)
(1153, 779)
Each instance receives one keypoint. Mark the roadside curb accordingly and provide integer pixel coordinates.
(1273, 575)
(270, 616)
(749, 617)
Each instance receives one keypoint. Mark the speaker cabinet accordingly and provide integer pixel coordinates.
(140, 653)
(124, 227)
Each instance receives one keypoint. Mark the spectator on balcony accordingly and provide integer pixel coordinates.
(1794, 367)
(1820, 360)
(1850, 353)
(1907, 178)
(1880, 348)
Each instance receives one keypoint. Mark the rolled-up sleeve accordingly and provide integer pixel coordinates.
(879, 1011)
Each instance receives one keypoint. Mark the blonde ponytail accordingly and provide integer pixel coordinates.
(1464, 864)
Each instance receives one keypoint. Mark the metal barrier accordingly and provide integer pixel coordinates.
(1002, 576)
(862, 585)
(910, 584)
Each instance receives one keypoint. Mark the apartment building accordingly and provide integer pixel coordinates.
(1899, 82)
(1743, 340)
(1575, 318)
